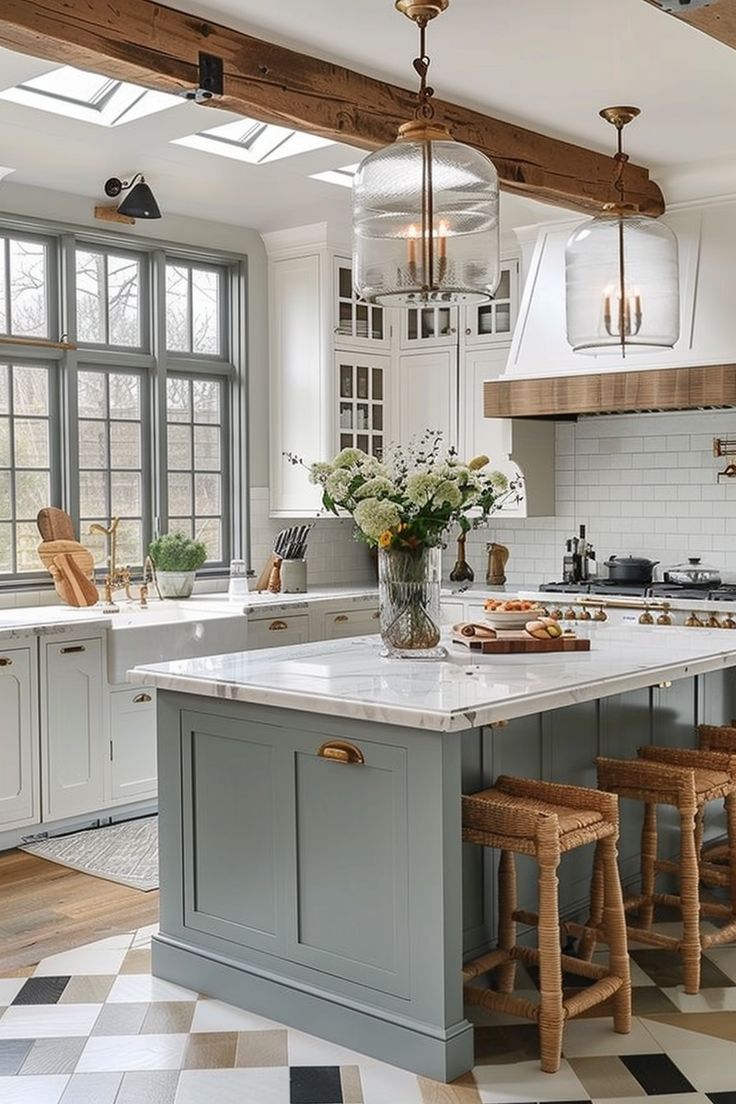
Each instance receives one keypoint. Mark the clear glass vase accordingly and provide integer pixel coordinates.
(409, 601)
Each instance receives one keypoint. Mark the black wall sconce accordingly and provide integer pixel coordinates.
(140, 203)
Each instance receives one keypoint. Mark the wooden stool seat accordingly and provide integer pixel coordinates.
(716, 857)
(544, 820)
(686, 779)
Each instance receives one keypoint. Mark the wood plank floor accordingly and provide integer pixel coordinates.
(46, 908)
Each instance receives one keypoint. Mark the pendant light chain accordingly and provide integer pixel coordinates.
(618, 182)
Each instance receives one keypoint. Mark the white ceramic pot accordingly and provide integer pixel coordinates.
(175, 584)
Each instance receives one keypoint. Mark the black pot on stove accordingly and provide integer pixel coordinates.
(630, 569)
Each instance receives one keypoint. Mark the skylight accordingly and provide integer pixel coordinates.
(343, 176)
(89, 97)
(254, 142)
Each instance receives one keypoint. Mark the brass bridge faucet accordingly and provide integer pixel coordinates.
(118, 578)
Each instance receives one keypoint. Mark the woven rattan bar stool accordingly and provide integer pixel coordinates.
(686, 779)
(545, 820)
(713, 856)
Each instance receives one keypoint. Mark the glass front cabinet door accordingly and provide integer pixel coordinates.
(357, 324)
(364, 402)
(428, 327)
(493, 323)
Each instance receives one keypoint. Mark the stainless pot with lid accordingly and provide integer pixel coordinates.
(630, 569)
(693, 574)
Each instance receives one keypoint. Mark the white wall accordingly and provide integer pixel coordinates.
(643, 484)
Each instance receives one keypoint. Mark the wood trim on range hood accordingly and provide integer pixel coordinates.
(611, 393)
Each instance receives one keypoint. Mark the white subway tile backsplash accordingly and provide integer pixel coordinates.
(643, 483)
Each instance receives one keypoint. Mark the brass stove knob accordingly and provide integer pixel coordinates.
(694, 622)
(570, 615)
(600, 615)
(713, 622)
(664, 619)
(646, 618)
(584, 615)
(556, 614)
(728, 623)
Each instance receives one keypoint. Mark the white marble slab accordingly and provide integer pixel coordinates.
(350, 678)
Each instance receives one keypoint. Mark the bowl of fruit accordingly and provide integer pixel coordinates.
(510, 613)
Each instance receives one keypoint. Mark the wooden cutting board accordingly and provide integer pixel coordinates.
(72, 584)
(55, 524)
(72, 550)
(509, 643)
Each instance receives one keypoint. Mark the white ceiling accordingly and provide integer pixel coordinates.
(547, 65)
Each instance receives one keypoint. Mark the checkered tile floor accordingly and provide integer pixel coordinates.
(92, 1026)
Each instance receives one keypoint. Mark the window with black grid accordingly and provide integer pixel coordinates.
(195, 417)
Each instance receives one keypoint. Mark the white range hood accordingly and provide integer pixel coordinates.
(706, 234)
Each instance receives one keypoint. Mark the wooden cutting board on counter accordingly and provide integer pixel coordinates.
(509, 643)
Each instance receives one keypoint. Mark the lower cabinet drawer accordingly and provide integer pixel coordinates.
(272, 632)
(132, 744)
(360, 622)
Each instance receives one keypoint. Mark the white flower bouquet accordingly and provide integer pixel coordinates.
(413, 497)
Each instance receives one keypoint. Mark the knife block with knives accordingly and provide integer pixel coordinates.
(290, 544)
(69, 563)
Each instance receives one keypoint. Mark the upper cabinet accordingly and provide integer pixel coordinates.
(347, 374)
(356, 324)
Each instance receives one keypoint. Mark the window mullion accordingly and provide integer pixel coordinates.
(157, 430)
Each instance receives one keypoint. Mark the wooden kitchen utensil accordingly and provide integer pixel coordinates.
(72, 549)
(265, 577)
(462, 572)
(72, 585)
(55, 524)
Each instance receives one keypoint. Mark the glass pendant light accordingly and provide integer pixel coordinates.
(425, 210)
(621, 273)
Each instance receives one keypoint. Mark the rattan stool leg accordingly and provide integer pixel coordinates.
(690, 948)
(506, 973)
(730, 804)
(648, 861)
(587, 944)
(614, 920)
(699, 829)
(551, 1014)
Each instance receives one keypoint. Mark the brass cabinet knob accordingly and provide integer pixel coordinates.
(5, 661)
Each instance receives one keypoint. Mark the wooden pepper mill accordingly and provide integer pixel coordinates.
(498, 556)
(462, 572)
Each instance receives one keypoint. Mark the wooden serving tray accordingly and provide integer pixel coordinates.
(510, 642)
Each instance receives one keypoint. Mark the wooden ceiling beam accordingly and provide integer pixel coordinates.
(716, 18)
(143, 42)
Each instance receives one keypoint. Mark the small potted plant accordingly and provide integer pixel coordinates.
(176, 559)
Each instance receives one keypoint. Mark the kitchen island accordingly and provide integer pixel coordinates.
(312, 869)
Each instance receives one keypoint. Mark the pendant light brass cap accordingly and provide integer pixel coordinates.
(619, 116)
(424, 130)
(423, 10)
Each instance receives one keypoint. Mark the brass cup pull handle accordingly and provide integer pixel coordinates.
(276, 625)
(5, 661)
(340, 751)
(73, 648)
(140, 698)
(342, 617)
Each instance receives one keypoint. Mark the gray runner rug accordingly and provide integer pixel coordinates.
(126, 853)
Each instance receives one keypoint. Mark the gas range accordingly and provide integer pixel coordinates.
(723, 593)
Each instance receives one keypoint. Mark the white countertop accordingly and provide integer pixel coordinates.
(349, 678)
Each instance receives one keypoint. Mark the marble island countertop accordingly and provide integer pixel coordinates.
(350, 678)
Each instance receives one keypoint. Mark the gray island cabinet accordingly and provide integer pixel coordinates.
(312, 869)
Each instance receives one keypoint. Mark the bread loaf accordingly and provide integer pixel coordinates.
(545, 628)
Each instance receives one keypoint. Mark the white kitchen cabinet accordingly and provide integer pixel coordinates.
(357, 324)
(133, 775)
(366, 402)
(493, 323)
(338, 624)
(19, 786)
(73, 728)
(272, 632)
(428, 394)
(426, 327)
